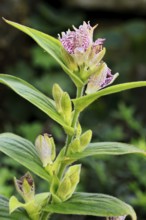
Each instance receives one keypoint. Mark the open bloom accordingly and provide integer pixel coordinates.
(79, 43)
(100, 79)
(87, 54)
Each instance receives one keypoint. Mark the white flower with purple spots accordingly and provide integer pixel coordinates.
(77, 40)
(87, 55)
(100, 79)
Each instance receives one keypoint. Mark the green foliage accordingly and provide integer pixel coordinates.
(82, 102)
(64, 178)
(49, 44)
(23, 152)
(5, 189)
(109, 148)
(92, 204)
(34, 96)
(30, 131)
(4, 211)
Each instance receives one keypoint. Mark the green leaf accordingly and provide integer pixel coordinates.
(4, 211)
(109, 148)
(30, 93)
(33, 207)
(83, 102)
(50, 44)
(24, 152)
(92, 204)
(14, 204)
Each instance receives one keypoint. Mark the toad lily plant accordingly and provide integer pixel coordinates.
(81, 58)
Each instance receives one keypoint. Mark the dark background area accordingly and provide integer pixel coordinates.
(119, 117)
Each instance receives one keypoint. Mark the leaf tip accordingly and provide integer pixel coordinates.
(4, 19)
(7, 21)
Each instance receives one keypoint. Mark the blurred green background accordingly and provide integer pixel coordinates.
(119, 117)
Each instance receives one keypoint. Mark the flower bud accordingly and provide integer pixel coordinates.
(63, 103)
(45, 147)
(85, 139)
(94, 63)
(66, 106)
(69, 61)
(79, 130)
(95, 58)
(64, 191)
(74, 146)
(25, 187)
(69, 182)
(80, 143)
(57, 94)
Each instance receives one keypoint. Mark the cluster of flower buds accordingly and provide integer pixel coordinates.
(80, 143)
(69, 182)
(86, 56)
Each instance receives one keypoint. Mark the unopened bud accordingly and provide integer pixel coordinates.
(63, 103)
(66, 106)
(69, 61)
(69, 182)
(79, 130)
(74, 146)
(57, 94)
(25, 187)
(85, 139)
(94, 61)
(64, 189)
(45, 147)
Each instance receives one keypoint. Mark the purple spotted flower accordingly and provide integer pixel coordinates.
(79, 43)
(87, 54)
(100, 79)
(78, 39)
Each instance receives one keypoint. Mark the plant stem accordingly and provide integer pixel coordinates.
(70, 137)
(75, 120)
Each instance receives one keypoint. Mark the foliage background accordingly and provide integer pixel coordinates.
(119, 117)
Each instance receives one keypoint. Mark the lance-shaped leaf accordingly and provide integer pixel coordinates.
(4, 211)
(30, 93)
(50, 44)
(83, 102)
(24, 152)
(106, 148)
(92, 204)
